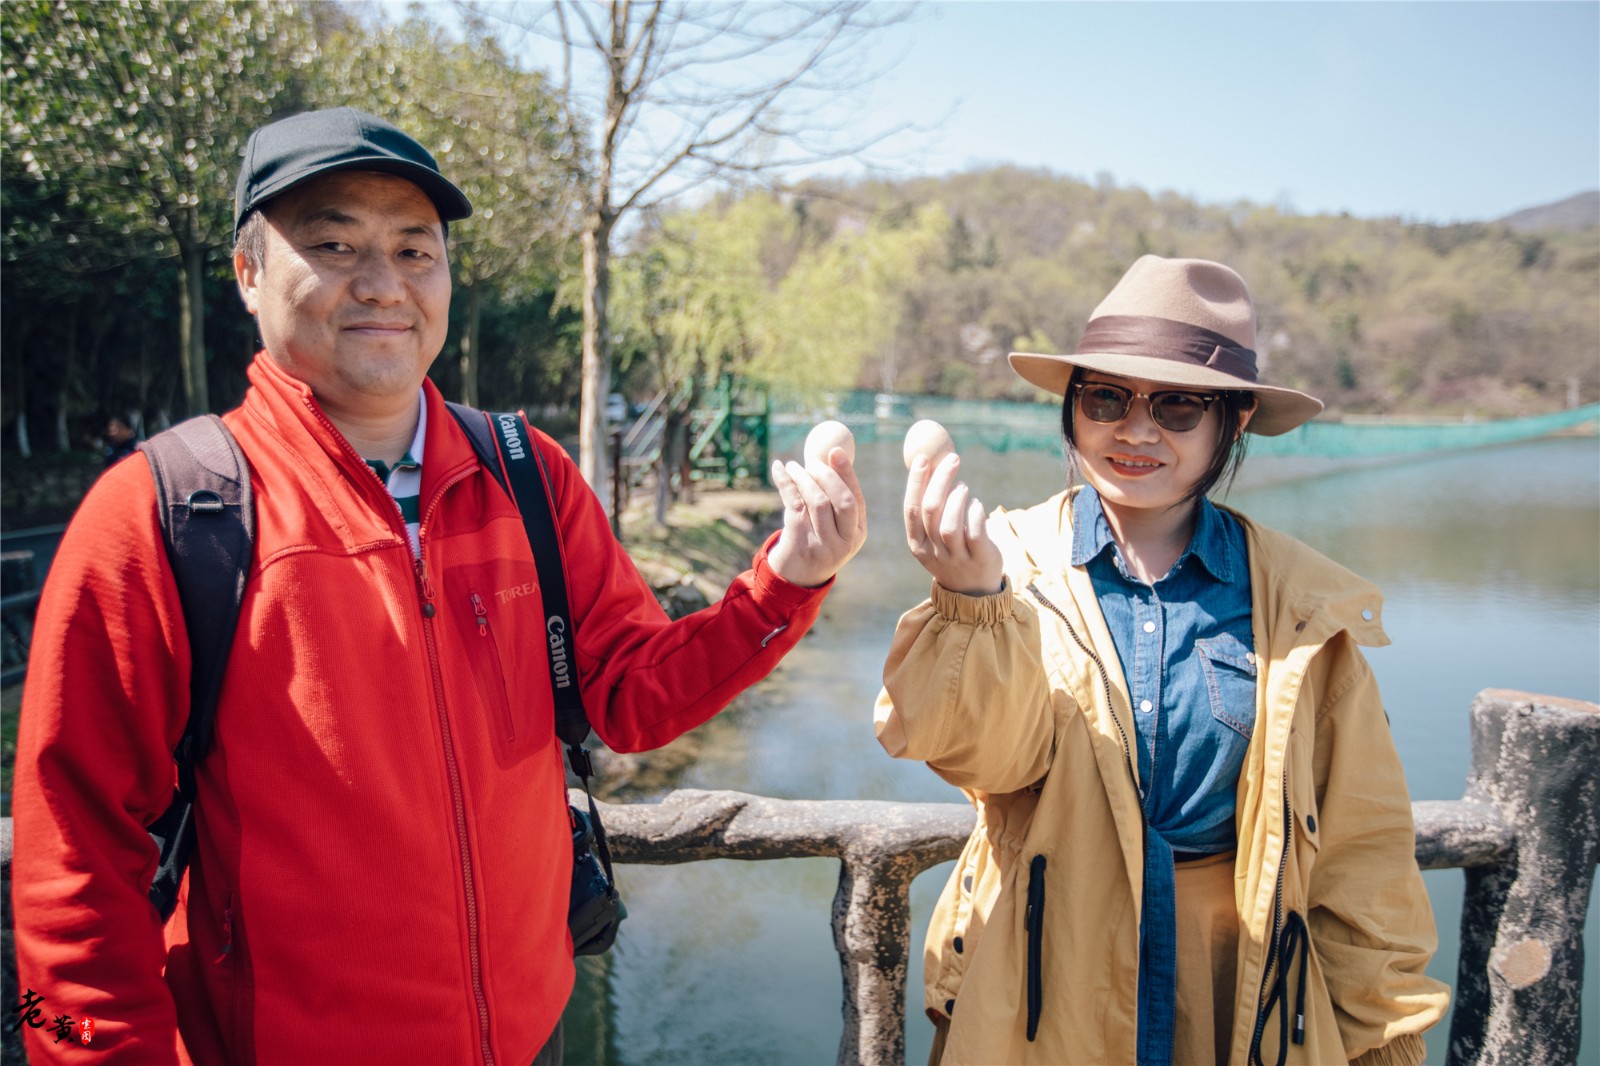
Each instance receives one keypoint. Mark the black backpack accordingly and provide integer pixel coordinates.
(208, 522)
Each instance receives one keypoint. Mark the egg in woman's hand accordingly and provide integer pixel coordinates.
(824, 438)
(928, 438)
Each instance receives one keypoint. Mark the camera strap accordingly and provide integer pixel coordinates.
(507, 450)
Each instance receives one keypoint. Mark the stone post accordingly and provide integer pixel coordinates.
(882, 847)
(1520, 978)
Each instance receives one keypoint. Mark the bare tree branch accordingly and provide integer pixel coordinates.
(682, 93)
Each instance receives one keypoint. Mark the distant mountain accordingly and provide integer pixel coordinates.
(1572, 215)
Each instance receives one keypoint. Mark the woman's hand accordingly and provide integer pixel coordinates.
(824, 519)
(948, 531)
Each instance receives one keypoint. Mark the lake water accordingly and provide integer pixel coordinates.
(1490, 564)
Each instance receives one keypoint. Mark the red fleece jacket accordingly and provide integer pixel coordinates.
(383, 856)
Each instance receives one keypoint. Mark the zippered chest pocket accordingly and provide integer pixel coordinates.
(1230, 673)
(490, 669)
(496, 625)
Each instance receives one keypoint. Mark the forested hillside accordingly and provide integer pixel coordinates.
(1376, 315)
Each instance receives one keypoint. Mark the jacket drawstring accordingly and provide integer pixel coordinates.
(1294, 938)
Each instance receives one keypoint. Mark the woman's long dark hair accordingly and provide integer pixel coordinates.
(1225, 460)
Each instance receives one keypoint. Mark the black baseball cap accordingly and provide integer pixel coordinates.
(285, 153)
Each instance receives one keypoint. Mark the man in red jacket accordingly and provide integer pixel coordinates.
(383, 855)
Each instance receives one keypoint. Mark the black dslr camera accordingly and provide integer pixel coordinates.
(594, 910)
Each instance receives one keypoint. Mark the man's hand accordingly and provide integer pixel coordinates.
(824, 519)
(948, 530)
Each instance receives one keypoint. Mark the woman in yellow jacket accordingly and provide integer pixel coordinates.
(1194, 840)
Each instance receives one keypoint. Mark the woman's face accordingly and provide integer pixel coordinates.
(1134, 463)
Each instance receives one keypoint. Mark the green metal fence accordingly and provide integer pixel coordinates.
(1005, 427)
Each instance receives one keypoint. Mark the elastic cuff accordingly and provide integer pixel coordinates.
(1407, 1049)
(974, 610)
(771, 588)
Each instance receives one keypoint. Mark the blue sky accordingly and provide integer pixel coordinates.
(1433, 111)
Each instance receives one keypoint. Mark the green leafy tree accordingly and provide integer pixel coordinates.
(137, 110)
(842, 313)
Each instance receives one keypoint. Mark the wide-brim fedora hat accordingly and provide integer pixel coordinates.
(291, 151)
(1182, 322)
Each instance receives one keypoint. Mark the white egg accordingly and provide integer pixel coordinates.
(824, 438)
(929, 438)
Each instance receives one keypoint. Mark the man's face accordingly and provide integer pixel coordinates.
(353, 293)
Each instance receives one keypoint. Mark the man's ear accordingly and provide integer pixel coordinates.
(248, 275)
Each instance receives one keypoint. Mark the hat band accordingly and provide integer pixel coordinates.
(1162, 338)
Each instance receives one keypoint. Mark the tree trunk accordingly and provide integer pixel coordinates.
(469, 347)
(192, 333)
(592, 458)
(24, 445)
(598, 221)
(64, 395)
(144, 380)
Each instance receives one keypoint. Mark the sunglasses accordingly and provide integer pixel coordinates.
(1178, 412)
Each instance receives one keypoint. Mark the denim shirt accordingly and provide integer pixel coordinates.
(1188, 658)
(1187, 654)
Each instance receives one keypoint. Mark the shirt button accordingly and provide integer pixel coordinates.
(1367, 615)
(1149, 627)
(1145, 706)
(1250, 657)
(949, 1006)
(958, 945)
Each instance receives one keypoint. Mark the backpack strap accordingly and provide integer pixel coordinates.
(208, 523)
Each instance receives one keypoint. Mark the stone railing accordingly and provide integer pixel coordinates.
(1527, 833)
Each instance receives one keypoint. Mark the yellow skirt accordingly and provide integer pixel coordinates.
(1208, 942)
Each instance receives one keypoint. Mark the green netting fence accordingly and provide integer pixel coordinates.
(1004, 427)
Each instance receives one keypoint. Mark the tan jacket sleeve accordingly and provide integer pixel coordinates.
(1370, 920)
(966, 691)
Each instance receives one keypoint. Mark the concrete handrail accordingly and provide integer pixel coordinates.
(1527, 833)
(1527, 841)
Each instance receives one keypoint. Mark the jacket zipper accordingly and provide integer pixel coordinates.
(349, 449)
(1033, 922)
(1277, 923)
(457, 796)
(1105, 682)
(425, 594)
(227, 933)
(508, 725)
(1035, 946)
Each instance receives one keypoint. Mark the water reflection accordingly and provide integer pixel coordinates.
(1490, 563)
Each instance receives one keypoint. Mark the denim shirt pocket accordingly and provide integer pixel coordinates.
(1230, 670)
